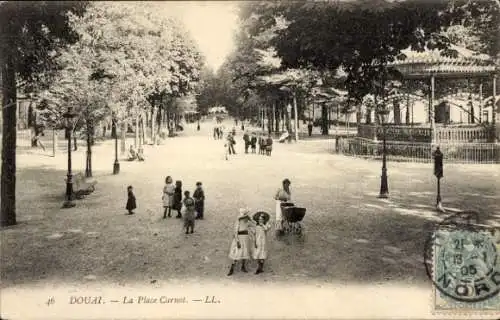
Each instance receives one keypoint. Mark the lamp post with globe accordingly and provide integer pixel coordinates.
(116, 164)
(383, 112)
(69, 115)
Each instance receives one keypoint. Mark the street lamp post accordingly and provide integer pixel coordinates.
(438, 172)
(68, 203)
(116, 165)
(384, 187)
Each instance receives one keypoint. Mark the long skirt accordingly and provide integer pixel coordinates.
(243, 252)
(279, 216)
(131, 204)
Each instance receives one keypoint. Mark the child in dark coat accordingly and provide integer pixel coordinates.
(199, 200)
(262, 145)
(178, 198)
(131, 204)
(189, 213)
(253, 142)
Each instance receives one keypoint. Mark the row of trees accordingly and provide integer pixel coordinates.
(129, 62)
(297, 51)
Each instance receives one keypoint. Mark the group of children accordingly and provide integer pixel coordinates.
(172, 200)
(250, 234)
(265, 143)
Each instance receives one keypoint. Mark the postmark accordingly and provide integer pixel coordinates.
(462, 260)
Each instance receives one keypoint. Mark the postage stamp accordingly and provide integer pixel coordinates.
(464, 267)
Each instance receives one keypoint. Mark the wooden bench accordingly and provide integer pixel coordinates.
(82, 187)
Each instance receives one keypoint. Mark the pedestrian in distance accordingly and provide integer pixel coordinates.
(226, 150)
(269, 145)
(253, 142)
(168, 197)
(230, 143)
(246, 139)
(199, 200)
(189, 212)
(131, 203)
(37, 138)
(262, 144)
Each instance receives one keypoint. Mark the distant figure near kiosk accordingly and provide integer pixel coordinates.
(284, 137)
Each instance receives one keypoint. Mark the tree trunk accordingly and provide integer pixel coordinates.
(104, 127)
(153, 120)
(158, 121)
(75, 141)
(324, 120)
(269, 121)
(277, 118)
(123, 147)
(296, 118)
(358, 114)
(274, 115)
(283, 118)
(88, 167)
(54, 142)
(136, 134)
(329, 117)
(8, 179)
(143, 129)
(288, 122)
(32, 123)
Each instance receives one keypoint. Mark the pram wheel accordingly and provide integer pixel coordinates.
(297, 228)
(287, 227)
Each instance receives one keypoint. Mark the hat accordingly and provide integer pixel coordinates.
(244, 213)
(257, 215)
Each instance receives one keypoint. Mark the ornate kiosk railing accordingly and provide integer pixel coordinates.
(459, 143)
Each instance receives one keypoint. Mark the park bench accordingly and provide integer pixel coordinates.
(82, 187)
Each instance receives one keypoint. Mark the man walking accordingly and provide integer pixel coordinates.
(231, 143)
(246, 139)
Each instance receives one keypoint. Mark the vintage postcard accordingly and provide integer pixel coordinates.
(250, 159)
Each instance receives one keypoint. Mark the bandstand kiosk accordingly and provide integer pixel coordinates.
(466, 132)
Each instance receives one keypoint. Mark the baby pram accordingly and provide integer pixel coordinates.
(292, 216)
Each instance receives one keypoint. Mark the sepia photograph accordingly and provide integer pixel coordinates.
(306, 159)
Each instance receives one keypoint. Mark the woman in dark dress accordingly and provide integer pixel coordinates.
(131, 204)
(178, 198)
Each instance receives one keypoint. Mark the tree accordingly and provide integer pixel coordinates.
(81, 84)
(145, 53)
(30, 35)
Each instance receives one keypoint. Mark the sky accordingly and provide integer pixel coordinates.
(212, 24)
